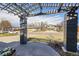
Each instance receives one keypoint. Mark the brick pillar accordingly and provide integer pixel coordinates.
(71, 31)
(23, 29)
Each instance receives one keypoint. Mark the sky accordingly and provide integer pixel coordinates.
(13, 19)
(51, 19)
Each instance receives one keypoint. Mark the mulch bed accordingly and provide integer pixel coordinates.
(58, 47)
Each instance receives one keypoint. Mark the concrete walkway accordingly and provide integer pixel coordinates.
(31, 49)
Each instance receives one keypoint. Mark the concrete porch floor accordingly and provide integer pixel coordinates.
(30, 49)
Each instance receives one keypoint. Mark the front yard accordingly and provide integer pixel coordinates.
(7, 34)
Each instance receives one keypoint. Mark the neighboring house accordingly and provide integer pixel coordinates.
(15, 28)
(55, 27)
(51, 27)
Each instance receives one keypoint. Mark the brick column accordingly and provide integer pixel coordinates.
(71, 31)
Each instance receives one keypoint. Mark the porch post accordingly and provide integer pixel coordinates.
(23, 29)
(71, 31)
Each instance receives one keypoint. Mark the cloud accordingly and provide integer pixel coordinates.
(49, 19)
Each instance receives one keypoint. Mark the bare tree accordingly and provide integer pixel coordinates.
(5, 25)
(43, 26)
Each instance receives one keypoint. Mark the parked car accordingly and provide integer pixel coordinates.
(12, 32)
(1, 32)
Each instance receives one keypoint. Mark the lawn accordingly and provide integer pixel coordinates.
(45, 38)
(46, 35)
(7, 34)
